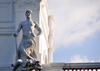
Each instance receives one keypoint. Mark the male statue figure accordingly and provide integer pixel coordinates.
(28, 29)
(27, 45)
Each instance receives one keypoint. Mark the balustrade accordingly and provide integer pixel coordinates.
(81, 67)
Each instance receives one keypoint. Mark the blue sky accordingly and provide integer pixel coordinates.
(76, 30)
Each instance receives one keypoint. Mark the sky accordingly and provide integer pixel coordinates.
(76, 30)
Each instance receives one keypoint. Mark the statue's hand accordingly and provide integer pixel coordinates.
(15, 34)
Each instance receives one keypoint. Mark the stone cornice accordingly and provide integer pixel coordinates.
(82, 65)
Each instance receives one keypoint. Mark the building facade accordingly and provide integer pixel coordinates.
(12, 12)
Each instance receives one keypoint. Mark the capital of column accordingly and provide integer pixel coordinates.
(51, 17)
(51, 49)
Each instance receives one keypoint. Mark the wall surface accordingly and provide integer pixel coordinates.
(7, 27)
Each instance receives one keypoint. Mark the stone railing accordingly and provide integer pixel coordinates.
(72, 67)
(81, 67)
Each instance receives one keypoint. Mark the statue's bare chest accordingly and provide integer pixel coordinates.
(28, 29)
(28, 24)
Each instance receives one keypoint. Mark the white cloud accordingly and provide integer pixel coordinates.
(79, 58)
(75, 20)
(92, 61)
(99, 60)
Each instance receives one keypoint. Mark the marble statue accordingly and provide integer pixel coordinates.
(26, 60)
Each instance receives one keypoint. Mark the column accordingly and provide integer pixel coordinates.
(50, 50)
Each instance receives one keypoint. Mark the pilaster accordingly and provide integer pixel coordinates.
(51, 36)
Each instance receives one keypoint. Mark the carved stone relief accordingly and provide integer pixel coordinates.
(24, 3)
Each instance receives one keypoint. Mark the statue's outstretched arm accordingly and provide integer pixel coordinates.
(18, 30)
(38, 28)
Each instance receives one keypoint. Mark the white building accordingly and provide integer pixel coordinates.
(12, 12)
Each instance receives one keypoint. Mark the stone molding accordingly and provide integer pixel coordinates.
(60, 66)
(53, 67)
(6, 12)
(23, 3)
(5, 68)
(47, 67)
(82, 65)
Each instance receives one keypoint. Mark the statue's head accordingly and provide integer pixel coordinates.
(29, 13)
